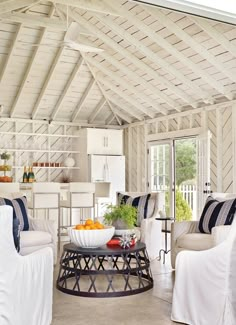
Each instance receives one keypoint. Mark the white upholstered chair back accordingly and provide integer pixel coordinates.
(45, 195)
(81, 194)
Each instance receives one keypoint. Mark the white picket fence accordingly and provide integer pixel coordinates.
(189, 193)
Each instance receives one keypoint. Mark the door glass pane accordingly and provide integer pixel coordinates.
(160, 171)
(185, 179)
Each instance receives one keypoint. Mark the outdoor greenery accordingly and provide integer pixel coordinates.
(185, 161)
(124, 212)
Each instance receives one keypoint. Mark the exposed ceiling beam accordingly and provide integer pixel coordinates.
(131, 17)
(47, 81)
(134, 77)
(10, 5)
(103, 92)
(123, 106)
(120, 92)
(215, 34)
(37, 21)
(66, 89)
(187, 39)
(97, 109)
(82, 100)
(29, 68)
(134, 60)
(11, 52)
(128, 86)
(110, 118)
(91, 5)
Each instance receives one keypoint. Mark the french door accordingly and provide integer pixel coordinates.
(180, 167)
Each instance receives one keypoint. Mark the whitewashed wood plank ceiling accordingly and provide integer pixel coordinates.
(155, 62)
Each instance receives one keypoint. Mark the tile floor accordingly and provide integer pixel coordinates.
(148, 308)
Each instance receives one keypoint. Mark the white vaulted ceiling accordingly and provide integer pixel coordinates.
(155, 62)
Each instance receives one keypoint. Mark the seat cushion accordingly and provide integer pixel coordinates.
(195, 241)
(34, 238)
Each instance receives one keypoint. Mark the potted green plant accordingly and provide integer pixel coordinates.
(122, 216)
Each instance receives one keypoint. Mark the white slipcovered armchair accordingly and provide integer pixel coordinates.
(25, 281)
(41, 233)
(205, 285)
(186, 236)
(150, 231)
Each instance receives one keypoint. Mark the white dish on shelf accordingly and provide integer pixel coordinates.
(69, 162)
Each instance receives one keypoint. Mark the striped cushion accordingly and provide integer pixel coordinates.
(139, 202)
(20, 210)
(216, 213)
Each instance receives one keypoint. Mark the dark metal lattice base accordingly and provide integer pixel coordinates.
(104, 271)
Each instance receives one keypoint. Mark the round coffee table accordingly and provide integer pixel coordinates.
(104, 271)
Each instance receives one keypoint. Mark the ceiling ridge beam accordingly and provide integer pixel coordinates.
(103, 92)
(9, 5)
(66, 88)
(91, 5)
(110, 118)
(168, 47)
(11, 52)
(131, 88)
(82, 100)
(29, 68)
(33, 20)
(212, 32)
(97, 109)
(134, 60)
(47, 81)
(198, 48)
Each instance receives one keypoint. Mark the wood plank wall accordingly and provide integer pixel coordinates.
(223, 149)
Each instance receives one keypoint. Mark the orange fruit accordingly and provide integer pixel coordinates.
(88, 222)
(79, 227)
(99, 226)
(87, 227)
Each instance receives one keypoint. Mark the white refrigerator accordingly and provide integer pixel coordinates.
(108, 169)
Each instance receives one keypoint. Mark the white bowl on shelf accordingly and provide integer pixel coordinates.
(91, 238)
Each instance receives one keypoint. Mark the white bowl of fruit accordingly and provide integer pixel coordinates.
(91, 234)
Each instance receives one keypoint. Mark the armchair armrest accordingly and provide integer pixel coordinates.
(47, 226)
(178, 229)
(220, 233)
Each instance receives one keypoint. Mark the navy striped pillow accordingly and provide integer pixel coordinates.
(139, 202)
(20, 210)
(216, 213)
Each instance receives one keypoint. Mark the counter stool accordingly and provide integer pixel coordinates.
(45, 196)
(80, 195)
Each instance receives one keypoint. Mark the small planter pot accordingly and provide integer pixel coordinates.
(121, 228)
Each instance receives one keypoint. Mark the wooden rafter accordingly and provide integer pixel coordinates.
(131, 88)
(168, 47)
(120, 92)
(217, 36)
(10, 53)
(97, 109)
(82, 100)
(47, 81)
(37, 21)
(133, 76)
(103, 92)
(10, 5)
(91, 5)
(110, 118)
(29, 68)
(187, 39)
(134, 60)
(66, 89)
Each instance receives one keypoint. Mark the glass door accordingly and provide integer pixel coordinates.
(172, 169)
(160, 171)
